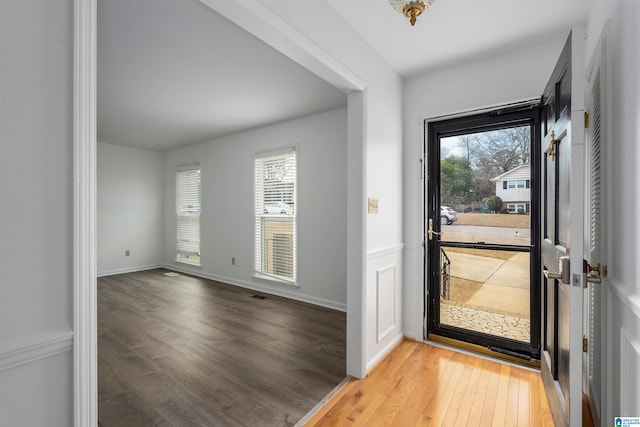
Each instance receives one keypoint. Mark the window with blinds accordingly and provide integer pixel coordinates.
(188, 214)
(275, 214)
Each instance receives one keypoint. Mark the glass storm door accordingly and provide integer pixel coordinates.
(482, 247)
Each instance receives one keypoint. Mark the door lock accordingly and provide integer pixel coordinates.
(430, 231)
(594, 274)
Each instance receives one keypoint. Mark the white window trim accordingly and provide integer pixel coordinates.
(182, 256)
(258, 274)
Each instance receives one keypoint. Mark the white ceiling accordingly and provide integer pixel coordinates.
(454, 31)
(174, 72)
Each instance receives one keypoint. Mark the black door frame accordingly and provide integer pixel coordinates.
(499, 118)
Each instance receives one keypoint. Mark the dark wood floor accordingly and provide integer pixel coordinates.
(185, 351)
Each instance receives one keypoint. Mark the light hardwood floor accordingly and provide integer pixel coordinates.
(422, 385)
(184, 351)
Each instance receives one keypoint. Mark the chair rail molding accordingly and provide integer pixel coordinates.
(631, 301)
(23, 351)
(379, 253)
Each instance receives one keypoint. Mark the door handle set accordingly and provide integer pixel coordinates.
(564, 274)
(430, 231)
(593, 274)
(551, 151)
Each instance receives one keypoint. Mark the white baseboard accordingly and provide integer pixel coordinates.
(285, 293)
(27, 350)
(128, 270)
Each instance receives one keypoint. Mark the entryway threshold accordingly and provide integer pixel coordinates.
(475, 349)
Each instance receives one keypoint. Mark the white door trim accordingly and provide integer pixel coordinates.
(85, 353)
(599, 66)
(577, 224)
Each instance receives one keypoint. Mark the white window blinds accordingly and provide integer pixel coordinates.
(275, 214)
(188, 214)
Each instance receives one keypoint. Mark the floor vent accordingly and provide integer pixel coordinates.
(258, 296)
(171, 274)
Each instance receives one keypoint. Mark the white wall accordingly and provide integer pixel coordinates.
(36, 215)
(495, 80)
(129, 203)
(622, 287)
(227, 221)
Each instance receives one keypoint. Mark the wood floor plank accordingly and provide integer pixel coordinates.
(479, 394)
(524, 398)
(500, 414)
(455, 405)
(439, 402)
(489, 394)
(421, 389)
(535, 402)
(463, 417)
(395, 399)
(511, 418)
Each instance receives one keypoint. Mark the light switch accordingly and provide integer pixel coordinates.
(373, 205)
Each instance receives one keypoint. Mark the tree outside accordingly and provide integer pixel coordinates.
(456, 179)
(494, 203)
(468, 162)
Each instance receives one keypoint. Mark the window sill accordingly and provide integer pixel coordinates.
(275, 281)
(194, 264)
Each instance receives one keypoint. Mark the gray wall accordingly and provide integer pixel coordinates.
(129, 203)
(36, 216)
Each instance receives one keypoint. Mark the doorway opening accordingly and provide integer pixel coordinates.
(481, 244)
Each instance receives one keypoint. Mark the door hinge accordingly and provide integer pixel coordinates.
(586, 120)
(585, 345)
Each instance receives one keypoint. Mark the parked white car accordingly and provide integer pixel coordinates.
(277, 208)
(447, 215)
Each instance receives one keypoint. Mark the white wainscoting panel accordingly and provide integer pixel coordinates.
(386, 301)
(383, 303)
(630, 367)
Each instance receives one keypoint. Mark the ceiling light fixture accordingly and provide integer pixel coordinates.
(410, 8)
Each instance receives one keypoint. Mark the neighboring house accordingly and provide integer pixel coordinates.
(514, 188)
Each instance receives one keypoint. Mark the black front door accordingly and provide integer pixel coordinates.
(482, 271)
(562, 188)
